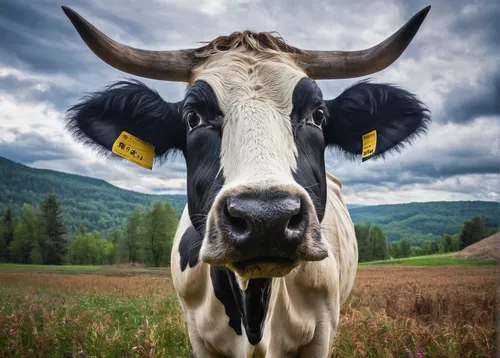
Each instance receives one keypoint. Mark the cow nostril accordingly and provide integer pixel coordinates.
(296, 222)
(237, 224)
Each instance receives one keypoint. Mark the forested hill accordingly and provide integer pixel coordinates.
(427, 220)
(100, 205)
(92, 202)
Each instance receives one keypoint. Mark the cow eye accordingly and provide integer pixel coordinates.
(193, 119)
(318, 117)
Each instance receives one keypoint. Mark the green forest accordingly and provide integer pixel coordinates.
(93, 203)
(94, 222)
(40, 236)
(373, 244)
(425, 221)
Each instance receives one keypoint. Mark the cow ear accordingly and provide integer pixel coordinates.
(396, 115)
(100, 117)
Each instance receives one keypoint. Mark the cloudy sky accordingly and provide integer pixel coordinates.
(453, 65)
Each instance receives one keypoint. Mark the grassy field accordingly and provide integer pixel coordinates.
(70, 268)
(111, 270)
(431, 260)
(446, 311)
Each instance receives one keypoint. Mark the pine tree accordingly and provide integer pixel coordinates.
(478, 229)
(405, 247)
(472, 231)
(129, 246)
(3, 247)
(155, 231)
(364, 242)
(53, 243)
(379, 243)
(7, 234)
(25, 236)
(445, 244)
(466, 235)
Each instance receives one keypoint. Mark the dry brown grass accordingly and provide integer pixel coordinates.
(434, 311)
(86, 284)
(392, 312)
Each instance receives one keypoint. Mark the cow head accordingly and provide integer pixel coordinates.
(253, 128)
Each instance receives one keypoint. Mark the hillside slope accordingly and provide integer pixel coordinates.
(426, 220)
(92, 202)
(100, 205)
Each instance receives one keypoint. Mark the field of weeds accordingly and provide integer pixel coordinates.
(431, 311)
(393, 312)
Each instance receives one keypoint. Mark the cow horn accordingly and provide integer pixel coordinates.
(160, 65)
(322, 65)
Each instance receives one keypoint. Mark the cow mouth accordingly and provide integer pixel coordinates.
(263, 266)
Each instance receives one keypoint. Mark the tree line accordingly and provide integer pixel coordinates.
(373, 244)
(86, 201)
(40, 236)
(425, 220)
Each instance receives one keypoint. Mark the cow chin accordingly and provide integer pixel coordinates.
(262, 267)
(251, 265)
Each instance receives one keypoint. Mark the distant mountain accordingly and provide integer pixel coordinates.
(89, 201)
(99, 205)
(354, 206)
(425, 220)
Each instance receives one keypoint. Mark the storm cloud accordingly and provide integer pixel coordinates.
(453, 65)
(469, 102)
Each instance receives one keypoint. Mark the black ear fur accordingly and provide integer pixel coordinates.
(396, 114)
(99, 118)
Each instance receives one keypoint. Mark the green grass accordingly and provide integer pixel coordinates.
(49, 267)
(430, 260)
(88, 269)
(50, 324)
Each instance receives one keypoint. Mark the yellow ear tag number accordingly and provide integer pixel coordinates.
(134, 149)
(369, 145)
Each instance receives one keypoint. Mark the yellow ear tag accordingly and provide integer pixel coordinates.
(134, 149)
(369, 145)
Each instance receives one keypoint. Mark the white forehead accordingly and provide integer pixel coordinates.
(238, 76)
(255, 95)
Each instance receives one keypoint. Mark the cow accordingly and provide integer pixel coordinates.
(265, 252)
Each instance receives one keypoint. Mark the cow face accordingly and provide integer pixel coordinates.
(262, 199)
(253, 128)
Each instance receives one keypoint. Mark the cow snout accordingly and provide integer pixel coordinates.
(261, 233)
(252, 222)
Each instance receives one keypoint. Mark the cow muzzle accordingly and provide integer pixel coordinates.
(263, 233)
